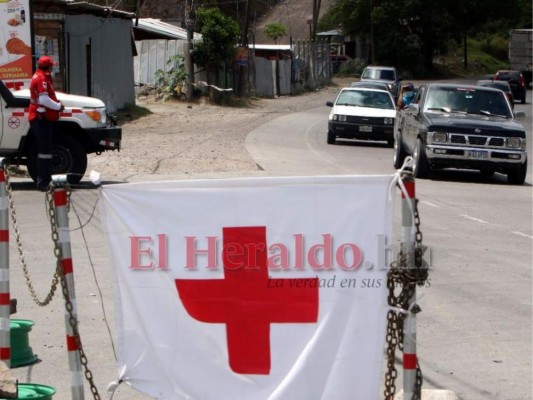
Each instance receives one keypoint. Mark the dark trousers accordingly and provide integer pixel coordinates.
(44, 133)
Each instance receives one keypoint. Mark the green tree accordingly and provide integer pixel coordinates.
(275, 31)
(407, 33)
(219, 36)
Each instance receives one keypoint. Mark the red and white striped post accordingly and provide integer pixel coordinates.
(408, 239)
(60, 203)
(5, 297)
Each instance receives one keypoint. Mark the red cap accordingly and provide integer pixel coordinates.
(45, 61)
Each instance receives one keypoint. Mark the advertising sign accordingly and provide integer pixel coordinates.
(15, 43)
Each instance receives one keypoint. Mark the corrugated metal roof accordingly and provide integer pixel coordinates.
(85, 6)
(270, 46)
(163, 29)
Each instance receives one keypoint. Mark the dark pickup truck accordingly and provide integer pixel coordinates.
(461, 126)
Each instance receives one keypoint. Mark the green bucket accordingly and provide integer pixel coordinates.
(35, 392)
(21, 352)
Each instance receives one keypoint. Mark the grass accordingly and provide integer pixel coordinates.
(479, 62)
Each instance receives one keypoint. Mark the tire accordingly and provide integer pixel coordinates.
(331, 138)
(517, 176)
(523, 101)
(69, 157)
(399, 154)
(420, 162)
(390, 143)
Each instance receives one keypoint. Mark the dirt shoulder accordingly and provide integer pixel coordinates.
(194, 138)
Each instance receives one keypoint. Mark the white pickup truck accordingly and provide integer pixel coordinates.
(83, 128)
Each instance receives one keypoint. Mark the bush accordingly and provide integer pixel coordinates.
(171, 82)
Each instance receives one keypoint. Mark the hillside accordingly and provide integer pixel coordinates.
(294, 14)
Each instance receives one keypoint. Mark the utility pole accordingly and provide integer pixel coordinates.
(242, 83)
(189, 68)
(316, 11)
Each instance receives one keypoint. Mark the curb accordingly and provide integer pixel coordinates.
(428, 394)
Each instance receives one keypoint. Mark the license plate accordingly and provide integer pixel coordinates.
(478, 154)
(365, 128)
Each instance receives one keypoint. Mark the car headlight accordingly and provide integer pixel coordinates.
(388, 121)
(338, 117)
(98, 115)
(439, 137)
(514, 142)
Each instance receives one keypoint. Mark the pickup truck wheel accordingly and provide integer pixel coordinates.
(420, 162)
(69, 157)
(331, 138)
(518, 175)
(399, 154)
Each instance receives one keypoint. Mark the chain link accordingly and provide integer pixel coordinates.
(55, 280)
(401, 283)
(59, 276)
(73, 321)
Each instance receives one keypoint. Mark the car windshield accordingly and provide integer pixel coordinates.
(468, 101)
(365, 98)
(382, 74)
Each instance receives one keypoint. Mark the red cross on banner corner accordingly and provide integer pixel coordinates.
(245, 303)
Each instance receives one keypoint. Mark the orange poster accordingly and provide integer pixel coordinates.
(15, 43)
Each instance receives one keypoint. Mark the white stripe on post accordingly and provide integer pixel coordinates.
(60, 203)
(409, 322)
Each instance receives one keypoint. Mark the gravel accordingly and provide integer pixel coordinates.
(191, 138)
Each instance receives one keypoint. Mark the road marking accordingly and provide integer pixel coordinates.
(474, 219)
(430, 204)
(522, 234)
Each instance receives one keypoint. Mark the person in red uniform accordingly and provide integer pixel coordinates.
(44, 110)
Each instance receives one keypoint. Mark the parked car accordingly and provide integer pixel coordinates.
(502, 85)
(362, 113)
(84, 127)
(461, 126)
(370, 85)
(387, 75)
(516, 80)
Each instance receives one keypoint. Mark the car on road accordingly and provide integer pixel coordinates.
(362, 113)
(461, 126)
(516, 80)
(370, 85)
(502, 85)
(387, 75)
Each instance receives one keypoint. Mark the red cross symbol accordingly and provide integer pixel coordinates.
(247, 301)
(13, 122)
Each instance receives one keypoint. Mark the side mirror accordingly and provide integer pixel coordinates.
(519, 115)
(329, 103)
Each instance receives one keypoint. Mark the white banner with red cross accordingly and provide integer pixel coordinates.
(253, 288)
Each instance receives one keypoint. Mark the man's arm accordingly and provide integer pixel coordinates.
(46, 101)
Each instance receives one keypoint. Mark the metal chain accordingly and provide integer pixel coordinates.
(22, 258)
(58, 274)
(73, 321)
(406, 279)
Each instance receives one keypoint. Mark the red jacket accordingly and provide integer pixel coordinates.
(41, 82)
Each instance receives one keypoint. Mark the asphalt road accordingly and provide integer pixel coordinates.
(475, 330)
